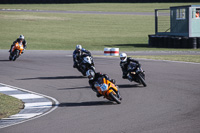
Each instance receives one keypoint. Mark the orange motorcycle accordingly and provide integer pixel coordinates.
(108, 90)
(16, 51)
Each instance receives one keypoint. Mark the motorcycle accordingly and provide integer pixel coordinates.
(86, 63)
(16, 51)
(136, 74)
(108, 90)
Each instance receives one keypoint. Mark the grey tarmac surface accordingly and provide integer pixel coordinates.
(169, 104)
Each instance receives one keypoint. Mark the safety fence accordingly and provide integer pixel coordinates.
(162, 20)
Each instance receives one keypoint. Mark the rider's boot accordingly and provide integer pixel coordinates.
(98, 94)
(130, 78)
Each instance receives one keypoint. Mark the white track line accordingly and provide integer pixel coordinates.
(6, 89)
(22, 116)
(38, 105)
(30, 116)
(26, 96)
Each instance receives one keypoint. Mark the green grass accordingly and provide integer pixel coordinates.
(63, 31)
(184, 58)
(9, 106)
(58, 31)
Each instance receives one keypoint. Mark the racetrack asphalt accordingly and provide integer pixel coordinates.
(169, 104)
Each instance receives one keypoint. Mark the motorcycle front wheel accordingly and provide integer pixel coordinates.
(114, 97)
(142, 79)
(15, 55)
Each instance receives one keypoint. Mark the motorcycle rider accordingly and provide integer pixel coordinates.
(125, 61)
(93, 77)
(78, 52)
(20, 40)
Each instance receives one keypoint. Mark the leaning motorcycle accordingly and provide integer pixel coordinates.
(108, 90)
(136, 73)
(16, 51)
(86, 63)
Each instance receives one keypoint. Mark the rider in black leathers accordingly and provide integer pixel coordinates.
(78, 52)
(125, 61)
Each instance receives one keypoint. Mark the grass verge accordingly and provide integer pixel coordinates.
(106, 7)
(184, 58)
(9, 105)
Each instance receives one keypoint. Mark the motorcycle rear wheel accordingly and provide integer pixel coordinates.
(10, 57)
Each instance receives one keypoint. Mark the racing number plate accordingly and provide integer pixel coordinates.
(104, 87)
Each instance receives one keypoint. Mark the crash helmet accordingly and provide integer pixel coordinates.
(21, 37)
(78, 47)
(90, 74)
(123, 57)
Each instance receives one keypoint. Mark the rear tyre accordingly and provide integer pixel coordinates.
(10, 57)
(142, 79)
(115, 98)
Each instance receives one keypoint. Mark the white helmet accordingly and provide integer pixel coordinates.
(21, 37)
(78, 47)
(123, 57)
(90, 74)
